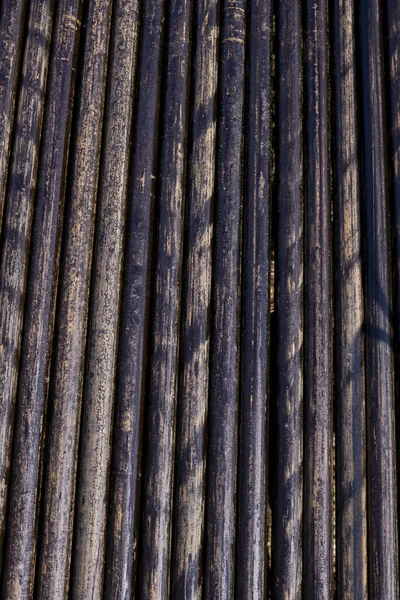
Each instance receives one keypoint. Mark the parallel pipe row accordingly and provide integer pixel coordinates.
(199, 299)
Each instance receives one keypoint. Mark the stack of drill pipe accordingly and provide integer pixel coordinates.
(199, 299)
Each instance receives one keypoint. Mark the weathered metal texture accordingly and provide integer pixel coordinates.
(317, 336)
(225, 321)
(155, 549)
(125, 478)
(194, 163)
(392, 38)
(253, 440)
(191, 441)
(87, 574)
(382, 496)
(350, 402)
(12, 28)
(27, 456)
(392, 71)
(288, 502)
(70, 335)
(14, 251)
